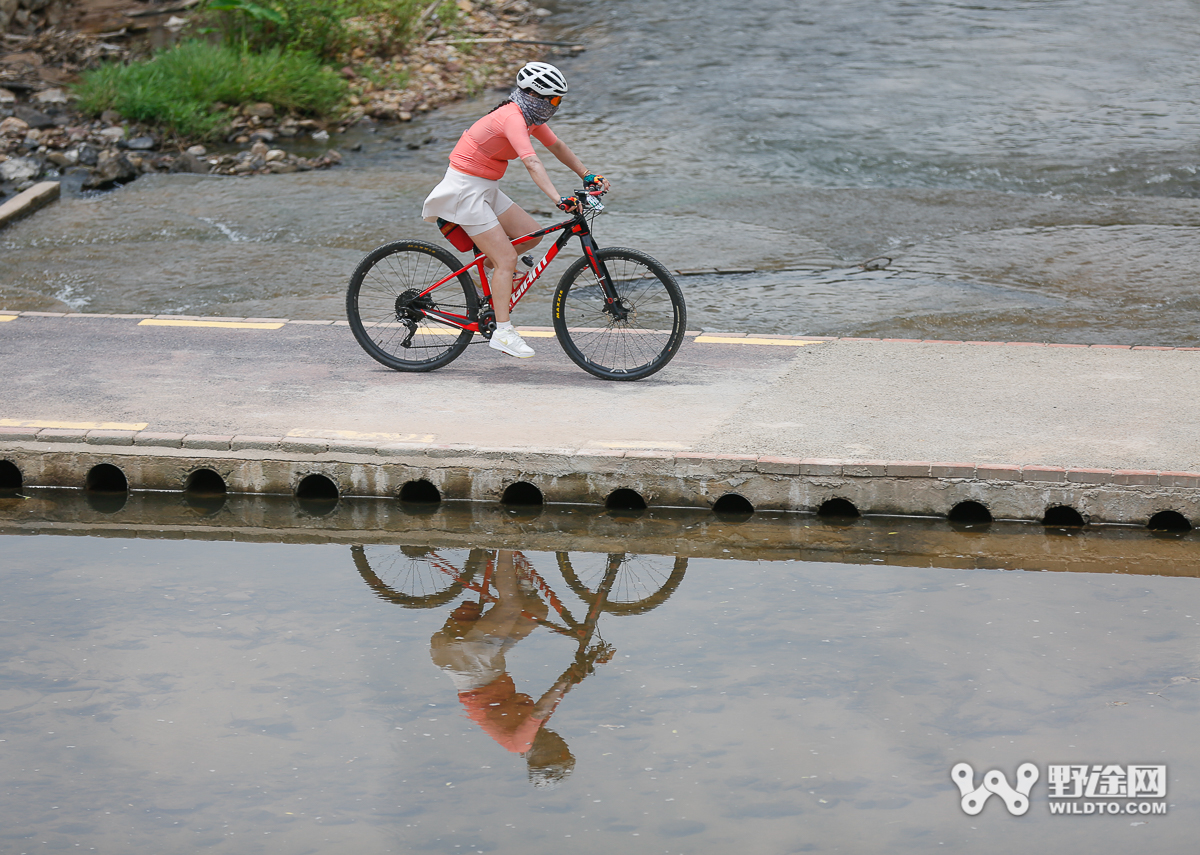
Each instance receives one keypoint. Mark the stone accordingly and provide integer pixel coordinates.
(32, 118)
(279, 167)
(275, 154)
(114, 133)
(110, 117)
(50, 96)
(142, 143)
(262, 110)
(262, 136)
(259, 149)
(112, 167)
(19, 169)
(14, 126)
(188, 162)
(89, 155)
(197, 151)
(7, 99)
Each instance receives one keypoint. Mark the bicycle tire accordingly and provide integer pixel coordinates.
(398, 575)
(380, 317)
(643, 582)
(620, 350)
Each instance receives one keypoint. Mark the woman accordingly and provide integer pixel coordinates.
(470, 195)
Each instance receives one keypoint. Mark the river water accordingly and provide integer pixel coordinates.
(185, 677)
(1031, 168)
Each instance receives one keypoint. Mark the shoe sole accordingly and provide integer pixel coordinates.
(505, 350)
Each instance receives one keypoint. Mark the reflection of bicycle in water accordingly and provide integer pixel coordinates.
(512, 599)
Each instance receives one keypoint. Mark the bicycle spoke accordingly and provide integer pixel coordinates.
(632, 347)
(386, 306)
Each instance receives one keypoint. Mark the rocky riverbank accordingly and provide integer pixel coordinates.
(43, 136)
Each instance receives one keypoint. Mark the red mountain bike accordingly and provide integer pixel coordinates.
(618, 313)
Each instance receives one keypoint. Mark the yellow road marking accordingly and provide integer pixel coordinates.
(786, 342)
(307, 433)
(229, 325)
(7, 318)
(74, 425)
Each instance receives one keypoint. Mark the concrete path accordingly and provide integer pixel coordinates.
(848, 400)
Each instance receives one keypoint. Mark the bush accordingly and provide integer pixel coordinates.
(326, 28)
(178, 88)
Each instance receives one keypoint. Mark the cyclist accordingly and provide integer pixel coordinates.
(470, 195)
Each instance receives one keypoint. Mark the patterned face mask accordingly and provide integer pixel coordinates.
(537, 111)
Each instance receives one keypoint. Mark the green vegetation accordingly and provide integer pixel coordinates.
(326, 28)
(178, 88)
(262, 50)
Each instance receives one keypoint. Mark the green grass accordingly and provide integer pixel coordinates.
(177, 89)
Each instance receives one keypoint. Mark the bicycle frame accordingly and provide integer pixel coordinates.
(577, 226)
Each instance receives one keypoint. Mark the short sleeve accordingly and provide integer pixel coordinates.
(517, 134)
(544, 135)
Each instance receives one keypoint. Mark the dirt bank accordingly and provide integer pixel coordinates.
(43, 136)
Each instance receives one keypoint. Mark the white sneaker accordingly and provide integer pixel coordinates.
(509, 341)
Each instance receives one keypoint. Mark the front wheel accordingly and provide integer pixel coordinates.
(386, 305)
(628, 341)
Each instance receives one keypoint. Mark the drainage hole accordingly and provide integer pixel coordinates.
(10, 477)
(106, 478)
(735, 505)
(205, 482)
(1062, 516)
(625, 499)
(420, 492)
(522, 493)
(316, 487)
(970, 512)
(1169, 521)
(838, 509)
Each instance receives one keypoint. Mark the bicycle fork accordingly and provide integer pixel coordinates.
(612, 300)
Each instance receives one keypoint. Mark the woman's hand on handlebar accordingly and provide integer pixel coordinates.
(594, 182)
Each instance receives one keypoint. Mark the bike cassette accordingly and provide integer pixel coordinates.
(411, 305)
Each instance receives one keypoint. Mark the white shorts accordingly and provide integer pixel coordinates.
(474, 203)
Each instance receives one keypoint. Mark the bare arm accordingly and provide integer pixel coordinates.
(538, 173)
(567, 157)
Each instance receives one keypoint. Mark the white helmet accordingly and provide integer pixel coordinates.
(543, 78)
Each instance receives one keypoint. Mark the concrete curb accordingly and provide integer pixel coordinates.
(57, 457)
(36, 197)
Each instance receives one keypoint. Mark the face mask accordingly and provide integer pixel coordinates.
(537, 111)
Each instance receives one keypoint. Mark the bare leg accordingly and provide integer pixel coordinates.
(496, 244)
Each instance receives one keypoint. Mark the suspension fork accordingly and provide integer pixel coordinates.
(612, 300)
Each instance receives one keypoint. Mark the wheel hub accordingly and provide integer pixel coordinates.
(410, 304)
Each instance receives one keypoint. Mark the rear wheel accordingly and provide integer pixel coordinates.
(625, 342)
(385, 305)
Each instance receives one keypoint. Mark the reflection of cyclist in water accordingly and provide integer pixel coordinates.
(470, 648)
(513, 599)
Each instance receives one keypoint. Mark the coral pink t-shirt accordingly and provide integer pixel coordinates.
(486, 147)
(504, 714)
